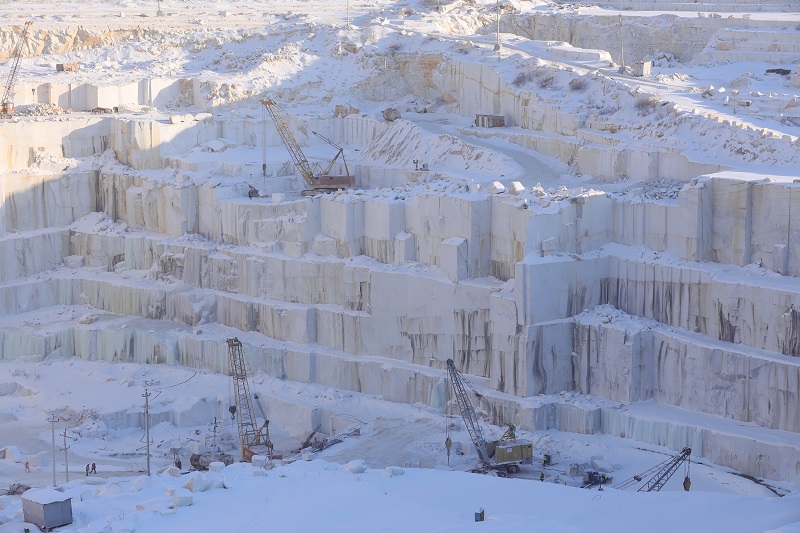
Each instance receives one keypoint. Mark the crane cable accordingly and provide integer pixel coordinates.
(448, 442)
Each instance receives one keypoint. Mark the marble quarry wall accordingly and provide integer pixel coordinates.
(617, 298)
(691, 305)
(683, 37)
(558, 129)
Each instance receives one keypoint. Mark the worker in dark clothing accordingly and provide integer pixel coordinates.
(87, 469)
(541, 476)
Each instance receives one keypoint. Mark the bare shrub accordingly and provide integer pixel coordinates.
(547, 82)
(646, 104)
(578, 84)
(523, 78)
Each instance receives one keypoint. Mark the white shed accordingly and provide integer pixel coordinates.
(47, 508)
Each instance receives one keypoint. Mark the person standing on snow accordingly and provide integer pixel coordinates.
(94, 469)
(87, 469)
(27, 466)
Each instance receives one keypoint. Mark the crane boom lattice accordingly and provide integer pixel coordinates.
(460, 386)
(7, 103)
(251, 437)
(282, 125)
(660, 478)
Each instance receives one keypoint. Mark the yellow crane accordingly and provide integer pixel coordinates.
(503, 456)
(321, 179)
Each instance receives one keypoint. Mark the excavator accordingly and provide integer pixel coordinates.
(503, 456)
(318, 178)
(7, 103)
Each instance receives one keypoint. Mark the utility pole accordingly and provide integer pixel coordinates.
(621, 44)
(215, 433)
(497, 45)
(53, 419)
(66, 462)
(147, 426)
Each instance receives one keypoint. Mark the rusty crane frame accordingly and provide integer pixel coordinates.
(321, 179)
(7, 102)
(253, 439)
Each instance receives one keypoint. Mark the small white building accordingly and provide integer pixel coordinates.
(642, 68)
(46, 508)
(490, 121)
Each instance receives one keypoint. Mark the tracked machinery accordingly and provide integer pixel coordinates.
(318, 179)
(253, 439)
(7, 102)
(503, 456)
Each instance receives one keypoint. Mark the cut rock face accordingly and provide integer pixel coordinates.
(134, 235)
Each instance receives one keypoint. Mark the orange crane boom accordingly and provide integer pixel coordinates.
(319, 180)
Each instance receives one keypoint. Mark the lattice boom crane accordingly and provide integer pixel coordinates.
(503, 455)
(321, 179)
(252, 439)
(7, 103)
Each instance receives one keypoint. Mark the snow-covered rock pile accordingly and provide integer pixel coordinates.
(405, 142)
(664, 60)
(39, 110)
(656, 189)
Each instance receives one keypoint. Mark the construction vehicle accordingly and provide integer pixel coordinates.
(503, 456)
(593, 478)
(67, 67)
(253, 439)
(319, 179)
(7, 103)
(309, 441)
(200, 461)
(661, 473)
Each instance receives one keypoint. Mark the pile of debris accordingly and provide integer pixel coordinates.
(39, 110)
(14, 490)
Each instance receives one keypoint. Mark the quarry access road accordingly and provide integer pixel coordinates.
(534, 170)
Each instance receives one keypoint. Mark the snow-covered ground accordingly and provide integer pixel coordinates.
(393, 476)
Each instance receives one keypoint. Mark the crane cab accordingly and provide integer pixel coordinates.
(520, 452)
